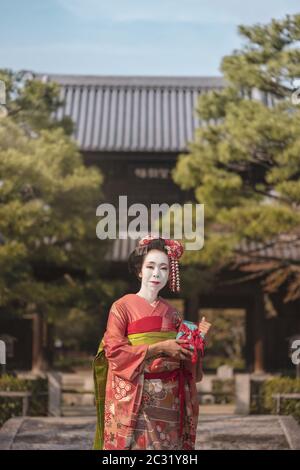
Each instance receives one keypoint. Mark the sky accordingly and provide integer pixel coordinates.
(128, 37)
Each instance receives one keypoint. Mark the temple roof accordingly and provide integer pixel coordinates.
(130, 114)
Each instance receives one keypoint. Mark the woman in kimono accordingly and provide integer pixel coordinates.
(145, 382)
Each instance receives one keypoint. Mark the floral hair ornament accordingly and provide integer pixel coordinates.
(174, 251)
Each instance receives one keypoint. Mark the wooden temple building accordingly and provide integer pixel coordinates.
(133, 129)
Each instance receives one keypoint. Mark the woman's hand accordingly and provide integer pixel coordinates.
(204, 326)
(173, 348)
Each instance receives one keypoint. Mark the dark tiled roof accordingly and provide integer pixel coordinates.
(120, 249)
(284, 247)
(148, 114)
(257, 252)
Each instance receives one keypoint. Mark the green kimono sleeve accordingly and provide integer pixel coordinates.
(100, 368)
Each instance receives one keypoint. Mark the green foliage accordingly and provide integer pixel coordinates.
(51, 261)
(226, 339)
(244, 163)
(47, 217)
(262, 401)
(69, 364)
(12, 407)
(270, 59)
(31, 102)
(212, 362)
(226, 390)
(82, 327)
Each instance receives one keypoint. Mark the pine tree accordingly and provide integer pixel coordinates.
(51, 261)
(244, 163)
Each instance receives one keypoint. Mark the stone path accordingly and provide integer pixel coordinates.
(265, 432)
(48, 433)
(214, 432)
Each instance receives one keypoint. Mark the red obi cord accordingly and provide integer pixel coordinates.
(179, 374)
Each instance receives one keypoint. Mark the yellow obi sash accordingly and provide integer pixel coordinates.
(151, 337)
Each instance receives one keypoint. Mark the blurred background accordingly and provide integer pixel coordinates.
(165, 102)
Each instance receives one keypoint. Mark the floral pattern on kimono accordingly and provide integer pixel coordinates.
(130, 399)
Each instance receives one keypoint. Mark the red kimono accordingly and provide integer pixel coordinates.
(149, 403)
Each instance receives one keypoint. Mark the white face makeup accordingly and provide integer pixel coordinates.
(155, 271)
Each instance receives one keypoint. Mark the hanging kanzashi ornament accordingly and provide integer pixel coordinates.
(174, 251)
